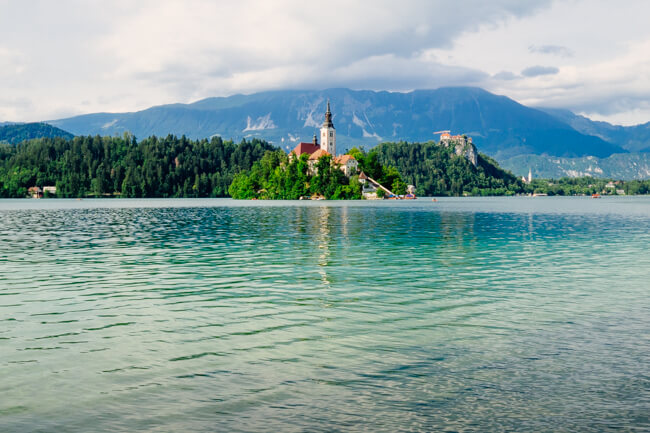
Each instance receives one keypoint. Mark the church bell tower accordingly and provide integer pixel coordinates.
(328, 133)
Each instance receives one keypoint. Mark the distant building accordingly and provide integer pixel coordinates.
(530, 177)
(308, 148)
(51, 190)
(327, 147)
(348, 164)
(35, 192)
(328, 133)
(370, 187)
(313, 160)
(463, 146)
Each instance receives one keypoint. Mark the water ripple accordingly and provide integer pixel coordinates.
(459, 315)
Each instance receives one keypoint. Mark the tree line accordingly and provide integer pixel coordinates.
(121, 166)
(588, 186)
(179, 167)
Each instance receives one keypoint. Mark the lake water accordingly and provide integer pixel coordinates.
(494, 314)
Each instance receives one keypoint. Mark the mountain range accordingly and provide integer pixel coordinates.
(499, 126)
(633, 138)
(624, 166)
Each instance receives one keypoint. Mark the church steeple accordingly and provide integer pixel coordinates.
(328, 117)
(328, 133)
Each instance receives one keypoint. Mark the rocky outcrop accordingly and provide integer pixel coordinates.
(463, 146)
(468, 150)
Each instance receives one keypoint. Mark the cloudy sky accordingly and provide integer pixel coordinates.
(62, 58)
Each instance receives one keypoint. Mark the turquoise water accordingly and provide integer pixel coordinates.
(498, 314)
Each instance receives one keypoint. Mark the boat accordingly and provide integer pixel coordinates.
(596, 195)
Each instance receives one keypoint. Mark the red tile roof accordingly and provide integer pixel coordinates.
(305, 148)
(343, 159)
(316, 155)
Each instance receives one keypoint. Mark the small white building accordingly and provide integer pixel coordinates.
(35, 192)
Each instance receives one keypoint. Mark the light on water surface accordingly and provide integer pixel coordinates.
(499, 314)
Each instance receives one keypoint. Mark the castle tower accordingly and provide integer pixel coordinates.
(328, 133)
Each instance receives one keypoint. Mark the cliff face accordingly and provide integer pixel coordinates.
(468, 150)
(463, 146)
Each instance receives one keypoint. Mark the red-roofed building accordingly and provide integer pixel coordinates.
(306, 148)
(348, 164)
(35, 192)
(318, 154)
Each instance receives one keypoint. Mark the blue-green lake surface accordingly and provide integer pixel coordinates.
(494, 314)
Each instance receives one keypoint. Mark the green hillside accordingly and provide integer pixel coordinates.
(17, 132)
(436, 170)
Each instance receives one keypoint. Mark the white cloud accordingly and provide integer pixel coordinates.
(537, 70)
(556, 50)
(68, 57)
(606, 76)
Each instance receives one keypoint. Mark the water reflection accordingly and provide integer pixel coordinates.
(324, 241)
(323, 317)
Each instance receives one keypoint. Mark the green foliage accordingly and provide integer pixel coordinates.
(587, 186)
(16, 133)
(121, 166)
(387, 175)
(436, 170)
(277, 177)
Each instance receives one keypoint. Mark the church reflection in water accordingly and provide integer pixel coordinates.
(324, 240)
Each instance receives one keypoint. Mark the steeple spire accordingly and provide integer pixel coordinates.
(328, 133)
(328, 117)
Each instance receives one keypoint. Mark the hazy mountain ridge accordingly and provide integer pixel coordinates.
(499, 126)
(633, 138)
(625, 166)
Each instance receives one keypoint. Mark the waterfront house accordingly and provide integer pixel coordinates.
(35, 192)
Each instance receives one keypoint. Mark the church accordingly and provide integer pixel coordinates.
(347, 163)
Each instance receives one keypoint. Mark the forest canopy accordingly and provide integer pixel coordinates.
(122, 166)
(178, 167)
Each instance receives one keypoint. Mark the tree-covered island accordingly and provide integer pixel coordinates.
(179, 167)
